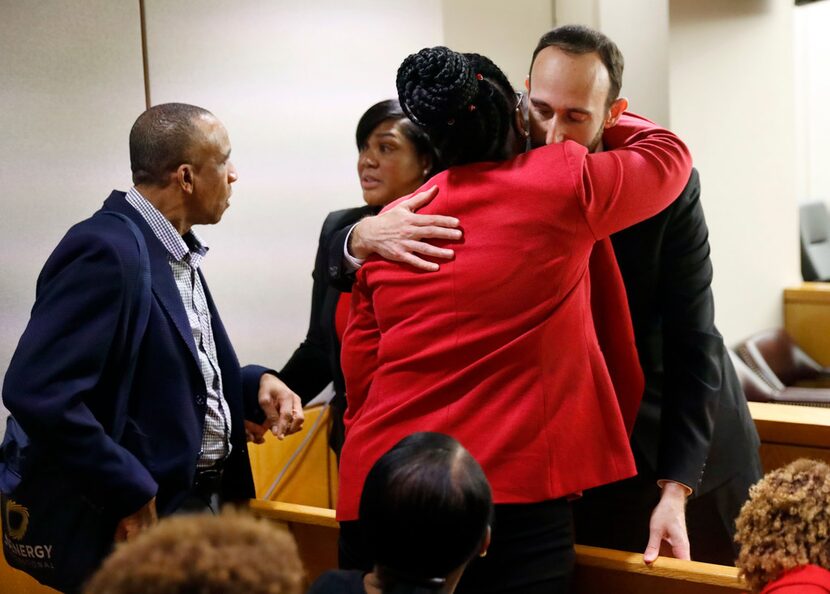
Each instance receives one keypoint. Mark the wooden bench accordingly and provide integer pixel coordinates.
(597, 570)
(807, 318)
(789, 432)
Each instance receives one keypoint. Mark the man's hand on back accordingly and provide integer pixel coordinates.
(400, 233)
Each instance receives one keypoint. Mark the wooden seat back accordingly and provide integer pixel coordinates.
(597, 570)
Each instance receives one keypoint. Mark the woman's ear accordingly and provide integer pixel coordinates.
(426, 166)
(485, 543)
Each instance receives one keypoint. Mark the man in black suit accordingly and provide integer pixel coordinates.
(694, 437)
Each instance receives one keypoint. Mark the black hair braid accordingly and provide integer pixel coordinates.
(435, 84)
(460, 100)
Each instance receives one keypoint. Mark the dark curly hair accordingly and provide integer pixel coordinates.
(425, 508)
(463, 101)
(785, 523)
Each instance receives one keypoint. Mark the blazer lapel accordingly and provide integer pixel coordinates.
(165, 289)
(163, 283)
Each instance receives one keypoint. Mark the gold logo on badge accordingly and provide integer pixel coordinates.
(17, 519)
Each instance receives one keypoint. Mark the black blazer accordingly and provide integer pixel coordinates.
(316, 362)
(693, 425)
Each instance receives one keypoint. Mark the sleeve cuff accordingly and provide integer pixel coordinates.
(662, 482)
(352, 263)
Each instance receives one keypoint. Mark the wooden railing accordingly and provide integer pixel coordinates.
(597, 570)
(789, 432)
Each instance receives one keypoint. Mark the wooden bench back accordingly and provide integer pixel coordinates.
(597, 570)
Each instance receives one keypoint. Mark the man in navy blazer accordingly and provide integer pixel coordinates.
(184, 417)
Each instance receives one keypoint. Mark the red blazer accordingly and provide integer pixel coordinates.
(498, 348)
(805, 579)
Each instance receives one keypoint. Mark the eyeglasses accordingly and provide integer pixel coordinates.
(523, 109)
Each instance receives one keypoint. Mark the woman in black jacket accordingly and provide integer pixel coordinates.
(395, 157)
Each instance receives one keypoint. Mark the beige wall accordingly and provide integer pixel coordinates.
(504, 32)
(812, 65)
(732, 100)
(71, 87)
(640, 28)
(290, 80)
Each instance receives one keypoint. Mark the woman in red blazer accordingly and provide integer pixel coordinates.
(498, 348)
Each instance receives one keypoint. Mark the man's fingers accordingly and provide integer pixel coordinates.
(281, 424)
(433, 232)
(427, 249)
(297, 424)
(267, 404)
(652, 549)
(682, 551)
(419, 263)
(290, 418)
(447, 223)
(254, 432)
(297, 416)
(420, 199)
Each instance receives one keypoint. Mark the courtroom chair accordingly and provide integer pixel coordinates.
(757, 390)
(775, 357)
(815, 242)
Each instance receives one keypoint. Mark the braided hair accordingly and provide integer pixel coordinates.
(463, 101)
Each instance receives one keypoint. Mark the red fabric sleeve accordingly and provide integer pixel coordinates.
(644, 172)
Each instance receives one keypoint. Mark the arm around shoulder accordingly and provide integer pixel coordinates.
(642, 174)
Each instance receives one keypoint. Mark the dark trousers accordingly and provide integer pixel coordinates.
(616, 516)
(531, 551)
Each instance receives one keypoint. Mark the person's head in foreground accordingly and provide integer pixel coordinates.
(464, 102)
(426, 509)
(785, 525)
(232, 553)
(394, 155)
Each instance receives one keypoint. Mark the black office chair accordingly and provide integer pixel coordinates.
(815, 242)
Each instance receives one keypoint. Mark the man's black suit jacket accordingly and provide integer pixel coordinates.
(694, 425)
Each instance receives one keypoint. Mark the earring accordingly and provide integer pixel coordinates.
(483, 553)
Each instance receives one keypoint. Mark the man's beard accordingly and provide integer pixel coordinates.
(596, 143)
